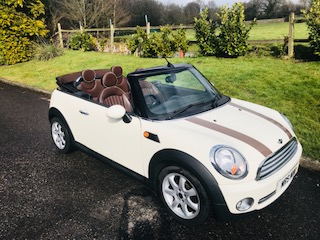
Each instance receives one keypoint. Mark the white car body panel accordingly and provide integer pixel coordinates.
(255, 131)
(113, 139)
(128, 147)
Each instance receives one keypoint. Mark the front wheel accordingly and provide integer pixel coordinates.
(61, 135)
(184, 196)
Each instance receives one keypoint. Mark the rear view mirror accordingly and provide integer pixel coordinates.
(171, 78)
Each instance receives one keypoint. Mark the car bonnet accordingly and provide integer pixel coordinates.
(258, 127)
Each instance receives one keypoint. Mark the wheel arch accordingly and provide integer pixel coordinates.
(53, 112)
(169, 157)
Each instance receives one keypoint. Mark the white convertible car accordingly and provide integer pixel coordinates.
(168, 126)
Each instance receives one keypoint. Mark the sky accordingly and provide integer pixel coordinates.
(184, 2)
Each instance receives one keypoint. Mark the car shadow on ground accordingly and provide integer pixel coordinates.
(148, 222)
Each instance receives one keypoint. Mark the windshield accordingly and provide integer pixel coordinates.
(178, 94)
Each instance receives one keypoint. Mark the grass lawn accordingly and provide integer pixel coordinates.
(292, 88)
(268, 31)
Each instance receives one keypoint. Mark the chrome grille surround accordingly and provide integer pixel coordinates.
(277, 160)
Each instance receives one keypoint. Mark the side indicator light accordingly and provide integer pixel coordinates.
(151, 136)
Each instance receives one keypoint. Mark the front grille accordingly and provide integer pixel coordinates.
(277, 160)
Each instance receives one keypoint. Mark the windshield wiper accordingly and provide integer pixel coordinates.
(182, 110)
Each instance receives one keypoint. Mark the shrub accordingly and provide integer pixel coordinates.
(83, 41)
(228, 37)
(313, 22)
(206, 34)
(180, 40)
(47, 51)
(164, 43)
(140, 44)
(20, 23)
(234, 34)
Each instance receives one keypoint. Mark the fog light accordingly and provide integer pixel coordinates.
(244, 204)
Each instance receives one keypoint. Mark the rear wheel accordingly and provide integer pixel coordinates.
(184, 196)
(61, 135)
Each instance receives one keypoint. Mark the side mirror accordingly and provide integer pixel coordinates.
(115, 112)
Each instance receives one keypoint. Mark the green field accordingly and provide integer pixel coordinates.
(291, 87)
(269, 31)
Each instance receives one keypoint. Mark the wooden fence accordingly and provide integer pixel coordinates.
(288, 40)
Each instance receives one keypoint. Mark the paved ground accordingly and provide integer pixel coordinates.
(45, 195)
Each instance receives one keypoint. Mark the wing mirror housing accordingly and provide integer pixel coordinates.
(117, 112)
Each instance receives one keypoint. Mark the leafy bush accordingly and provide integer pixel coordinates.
(180, 40)
(164, 43)
(20, 23)
(83, 41)
(140, 44)
(313, 22)
(47, 51)
(102, 44)
(234, 34)
(228, 37)
(206, 34)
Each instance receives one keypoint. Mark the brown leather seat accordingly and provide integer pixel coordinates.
(122, 81)
(149, 89)
(90, 85)
(115, 96)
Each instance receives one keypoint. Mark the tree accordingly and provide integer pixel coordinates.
(172, 14)
(269, 7)
(253, 9)
(20, 23)
(212, 10)
(313, 22)
(191, 10)
(139, 8)
(89, 13)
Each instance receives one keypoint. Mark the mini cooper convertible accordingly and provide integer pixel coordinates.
(168, 126)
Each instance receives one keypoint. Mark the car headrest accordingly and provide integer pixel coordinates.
(109, 79)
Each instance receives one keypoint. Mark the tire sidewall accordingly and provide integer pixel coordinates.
(67, 135)
(205, 204)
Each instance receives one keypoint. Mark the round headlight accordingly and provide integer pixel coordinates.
(228, 162)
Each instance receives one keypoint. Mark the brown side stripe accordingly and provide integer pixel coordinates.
(265, 117)
(265, 151)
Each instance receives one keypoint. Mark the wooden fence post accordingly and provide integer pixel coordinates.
(111, 37)
(148, 29)
(291, 36)
(81, 28)
(60, 35)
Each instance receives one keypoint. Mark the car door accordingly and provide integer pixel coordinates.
(114, 139)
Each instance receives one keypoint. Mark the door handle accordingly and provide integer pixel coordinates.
(84, 112)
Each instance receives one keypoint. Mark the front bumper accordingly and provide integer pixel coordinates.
(263, 192)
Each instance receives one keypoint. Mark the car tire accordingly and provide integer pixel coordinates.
(61, 135)
(184, 196)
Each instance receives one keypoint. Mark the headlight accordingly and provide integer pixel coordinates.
(228, 162)
(287, 120)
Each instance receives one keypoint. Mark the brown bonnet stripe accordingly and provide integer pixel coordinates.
(265, 151)
(265, 117)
